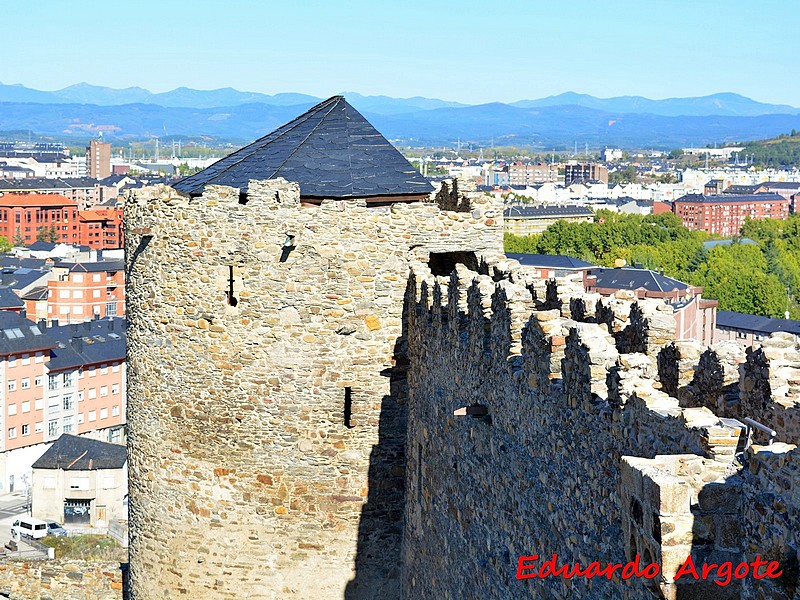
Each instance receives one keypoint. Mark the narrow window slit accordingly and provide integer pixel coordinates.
(348, 407)
(232, 300)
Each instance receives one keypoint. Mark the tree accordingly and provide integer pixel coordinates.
(18, 239)
(5, 245)
(47, 234)
(626, 175)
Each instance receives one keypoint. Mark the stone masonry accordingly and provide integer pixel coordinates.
(547, 430)
(267, 387)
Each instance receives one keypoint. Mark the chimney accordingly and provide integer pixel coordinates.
(87, 325)
(77, 344)
(42, 324)
(111, 323)
(74, 327)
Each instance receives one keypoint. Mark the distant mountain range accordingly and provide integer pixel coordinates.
(556, 121)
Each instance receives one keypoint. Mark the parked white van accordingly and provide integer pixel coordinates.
(29, 527)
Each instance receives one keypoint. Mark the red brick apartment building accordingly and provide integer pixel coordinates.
(724, 214)
(67, 379)
(27, 214)
(79, 292)
(531, 174)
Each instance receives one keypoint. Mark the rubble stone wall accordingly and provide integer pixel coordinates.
(267, 429)
(60, 580)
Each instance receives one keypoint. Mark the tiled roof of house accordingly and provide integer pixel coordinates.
(73, 453)
(331, 151)
(725, 198)
(538, 212)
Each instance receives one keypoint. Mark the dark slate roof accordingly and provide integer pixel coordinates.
(557, 261)
(8, 299)
(331, 151)
(18, 335)
(782, 185)
(89, 343)
(634, 279)
(92, 267)
(743, 189)
(73, 453)
(756, 324)
(723, 198)
(37, 293)
(42, 246)
(534, 212)
(8, 260)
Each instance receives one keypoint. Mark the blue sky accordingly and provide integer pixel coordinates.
(467, 51)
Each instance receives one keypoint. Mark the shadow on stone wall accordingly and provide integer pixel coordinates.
(380, 529)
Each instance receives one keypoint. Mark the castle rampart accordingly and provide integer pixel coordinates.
(266, 386)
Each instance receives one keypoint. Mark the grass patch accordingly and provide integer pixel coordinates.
(87, 547)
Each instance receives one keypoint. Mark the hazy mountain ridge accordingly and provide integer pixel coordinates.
(559, 121)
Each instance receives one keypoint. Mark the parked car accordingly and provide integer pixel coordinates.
(29, 527)
(54, 528)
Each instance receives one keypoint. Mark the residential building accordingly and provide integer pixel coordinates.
(528, 220)
(724, 214)
(80, 481)
(531, 174)
(23, 216)
(750, 330)
(612, 154)
(695, 316)
(83, 291)
(98, 159)
(101, 227)
(585, 171)
(547, 266)
(86, 192)
(65, 379)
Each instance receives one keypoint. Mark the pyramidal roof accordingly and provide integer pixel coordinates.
(332, 151)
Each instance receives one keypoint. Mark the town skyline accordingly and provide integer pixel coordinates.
(675, 49)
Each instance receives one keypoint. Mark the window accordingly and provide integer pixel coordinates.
(38, 381)
(67, 424)
(12, 409)
(103, 413)
(115, 388)
(26, 359)
(38, 404)
(103, 369)
(52, 382)
(79, 483)
(39, 358)
(25, 384)
(92, 393)
(68, 403)
(63, 293)
(52, 428)
(103, 391)
(26, 430)
(80, 418)
(12, 385)
(77, 278)
(12, 361)
(68, 379)
(12, 433)
(26, 406)
(95, 293)
(111, 309)
(80, 396)
(96, 277)
(92, 416)
(115, 368)
(92, 372)
(38, 427)
(115, 410)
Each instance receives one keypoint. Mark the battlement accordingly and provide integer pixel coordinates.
(562, 385)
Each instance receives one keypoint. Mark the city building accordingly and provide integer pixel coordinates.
(724, 214)
(585, 171)
(612, 154)
(80, 481)
(83, 291)
(550, 266)
(532, 174)
(63, 379)
(528, 220)
(695, 316)
(28, 218)
(750, 330)
(98, 159)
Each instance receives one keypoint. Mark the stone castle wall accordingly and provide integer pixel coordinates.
(60, 580)
(267, 425)
(574, 448)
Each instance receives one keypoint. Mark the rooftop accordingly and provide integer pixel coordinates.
(538, 212)
(73, 453)
(332, 151)
(552, 261)
(755, 323)
(635, 279)
(728, 198)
